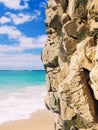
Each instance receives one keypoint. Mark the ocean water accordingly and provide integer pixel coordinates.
(21, 94)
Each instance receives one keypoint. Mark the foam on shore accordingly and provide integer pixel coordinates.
(20, 103)
(40, 120)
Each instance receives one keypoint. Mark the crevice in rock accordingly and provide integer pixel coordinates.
(65, 6)
(93, 103)
(95, 36)
(62, 53)
(74, 37)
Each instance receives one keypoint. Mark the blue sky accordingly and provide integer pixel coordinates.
(22, 34)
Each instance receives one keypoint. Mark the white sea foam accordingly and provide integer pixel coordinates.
(20, 103)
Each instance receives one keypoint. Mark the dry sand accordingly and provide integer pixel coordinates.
(41, 120)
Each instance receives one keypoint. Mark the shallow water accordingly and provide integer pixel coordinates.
(21, 93)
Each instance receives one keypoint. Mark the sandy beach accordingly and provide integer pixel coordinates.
(40, 120)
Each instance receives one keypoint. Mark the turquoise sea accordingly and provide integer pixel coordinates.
(21, 93)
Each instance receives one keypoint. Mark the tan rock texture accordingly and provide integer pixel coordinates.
(70, 57)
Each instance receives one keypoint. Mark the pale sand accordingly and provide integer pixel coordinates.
(41, 120)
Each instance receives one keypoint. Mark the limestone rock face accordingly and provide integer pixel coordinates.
(70, 57)
(94, 76)
(93, 14)
(76, 94)
(78, 27)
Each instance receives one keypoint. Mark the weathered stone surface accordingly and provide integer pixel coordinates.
(74, 95)
(73, 128)
(49, 54)
(84, 56)
(94, 127)
(93, 14)
(94, 80)
(71, 8)
(70, 57)
(52, 102)
(94, 75)
(63, 67)
(74, 27)
(67, 113)
(65, 17)
(70, 45)
(64, 4)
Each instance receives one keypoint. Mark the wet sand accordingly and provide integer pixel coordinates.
(40, 120)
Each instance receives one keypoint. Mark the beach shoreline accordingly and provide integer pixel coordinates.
(40, 120)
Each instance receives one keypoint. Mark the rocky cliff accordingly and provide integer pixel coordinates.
(70, 57)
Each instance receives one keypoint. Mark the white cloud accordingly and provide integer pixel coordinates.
(43, 4)
(20, 62)
(12, 57)
(37, 12)
(22, 18)
(28, 42)
(4, 20)
(24, 43)
(11, 31)
(14, 4)
(10, 49)
(39, 42)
